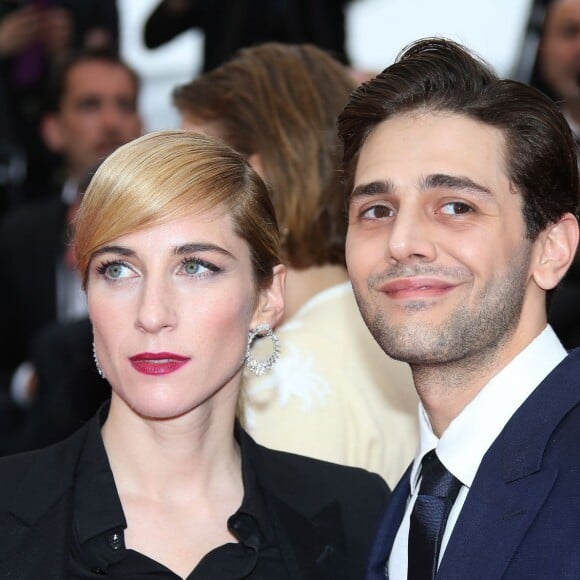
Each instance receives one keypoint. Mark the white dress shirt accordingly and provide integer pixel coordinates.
(468, 437)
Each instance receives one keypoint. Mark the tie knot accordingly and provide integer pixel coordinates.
(436, 480)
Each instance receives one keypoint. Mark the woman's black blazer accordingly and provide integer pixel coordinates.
(325, 515)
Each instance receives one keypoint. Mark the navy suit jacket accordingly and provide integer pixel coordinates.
(521, 518)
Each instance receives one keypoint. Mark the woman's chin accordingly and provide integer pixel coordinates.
(161, 406)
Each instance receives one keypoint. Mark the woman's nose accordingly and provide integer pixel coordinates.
(156, 309)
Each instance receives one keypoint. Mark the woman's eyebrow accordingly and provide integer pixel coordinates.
(200, 247)
(121, 250)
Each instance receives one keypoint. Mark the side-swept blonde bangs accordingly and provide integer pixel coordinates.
(166, 175)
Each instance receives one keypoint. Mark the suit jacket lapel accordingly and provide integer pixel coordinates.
(512, 482)
(492, 524)
(388, 527)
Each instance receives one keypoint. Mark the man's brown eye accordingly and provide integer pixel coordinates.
(455, 208)
(378, 212)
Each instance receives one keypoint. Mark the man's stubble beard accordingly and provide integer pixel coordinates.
(470, 332)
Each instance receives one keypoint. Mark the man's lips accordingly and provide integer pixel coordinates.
(417, 288)
(158, 363)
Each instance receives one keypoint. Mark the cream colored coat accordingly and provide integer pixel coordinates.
(334, 394)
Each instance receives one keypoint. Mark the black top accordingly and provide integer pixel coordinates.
(98, 546)
(324, 516)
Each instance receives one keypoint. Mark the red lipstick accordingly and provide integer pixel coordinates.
(158, 363)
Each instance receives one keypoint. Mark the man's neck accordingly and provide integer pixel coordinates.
(445, 389)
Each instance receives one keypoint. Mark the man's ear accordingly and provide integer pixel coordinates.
(557, 248)
(270, 308)
(52, 133)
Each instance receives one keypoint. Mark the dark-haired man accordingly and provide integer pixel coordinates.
(91, 110)
(462, 192)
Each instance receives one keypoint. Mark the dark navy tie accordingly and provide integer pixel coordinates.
(437, 493)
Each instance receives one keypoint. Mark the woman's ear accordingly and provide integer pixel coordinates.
(557, 248)
(270, 308)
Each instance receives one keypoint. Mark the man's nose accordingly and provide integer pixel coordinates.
(111, 116)
(411, 237)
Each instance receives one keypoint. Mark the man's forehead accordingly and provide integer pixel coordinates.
(85, 75)
(437, 135)
(557, 4)
(562, 12)
(436, 149)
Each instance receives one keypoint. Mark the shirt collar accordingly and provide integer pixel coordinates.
(461, 447)
(69, 191)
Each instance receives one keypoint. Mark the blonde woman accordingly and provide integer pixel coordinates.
(178, 246)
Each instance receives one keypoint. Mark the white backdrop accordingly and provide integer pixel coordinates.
(376, 32)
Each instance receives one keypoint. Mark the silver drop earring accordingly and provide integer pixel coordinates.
(256, 366)
(99, 369)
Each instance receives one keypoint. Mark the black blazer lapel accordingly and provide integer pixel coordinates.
(313, 548)
(324, 515)
(36, 511)
(39, 551)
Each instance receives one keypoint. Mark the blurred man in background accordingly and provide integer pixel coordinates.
(91, 110)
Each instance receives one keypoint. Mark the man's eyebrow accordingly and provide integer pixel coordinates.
(200, 247)
(455, 182)
(372, 188)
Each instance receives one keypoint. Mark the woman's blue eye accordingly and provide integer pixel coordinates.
(192, 268)
(114, 270)
(197, 267)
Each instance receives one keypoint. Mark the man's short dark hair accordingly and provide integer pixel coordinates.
(56, 86)
(438, 75)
